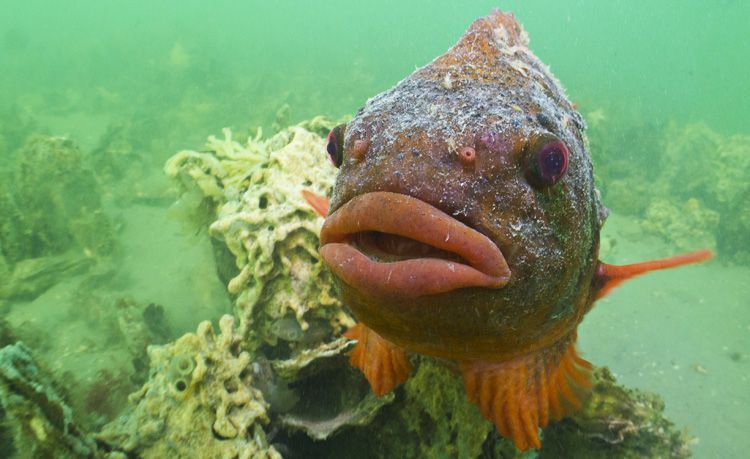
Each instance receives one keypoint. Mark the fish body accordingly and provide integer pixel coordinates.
(465, 223)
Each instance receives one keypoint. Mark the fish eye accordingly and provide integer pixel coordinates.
(335, 144)
(548, 162)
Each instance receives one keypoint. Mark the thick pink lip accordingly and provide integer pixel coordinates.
(403, 215)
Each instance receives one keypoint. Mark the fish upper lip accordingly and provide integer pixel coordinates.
(410, 217)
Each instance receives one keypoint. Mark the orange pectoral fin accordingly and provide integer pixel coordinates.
(384, 365)
(610, 276)
(521, 395)
(317, 202)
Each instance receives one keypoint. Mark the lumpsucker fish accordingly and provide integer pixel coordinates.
(464, 224)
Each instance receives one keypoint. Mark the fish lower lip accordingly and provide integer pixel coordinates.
(458, 256)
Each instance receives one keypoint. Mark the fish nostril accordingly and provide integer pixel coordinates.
(467, 155)
(360, 148)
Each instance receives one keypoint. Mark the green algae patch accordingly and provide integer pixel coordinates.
(429, 417)
(438, 416)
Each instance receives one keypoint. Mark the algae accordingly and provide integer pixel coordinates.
(41, 422)
(433, 423)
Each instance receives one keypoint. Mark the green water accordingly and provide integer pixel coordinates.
(162, 76)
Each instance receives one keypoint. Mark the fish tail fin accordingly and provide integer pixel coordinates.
(319, 203)
(521, 395)
(384, 364)
(610, 276)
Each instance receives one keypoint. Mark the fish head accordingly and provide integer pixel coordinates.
(464, 220)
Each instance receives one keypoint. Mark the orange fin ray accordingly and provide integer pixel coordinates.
(521, 395)
(319, 203)
(610, 276)
(384, 365)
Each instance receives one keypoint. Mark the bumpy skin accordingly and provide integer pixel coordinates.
(491, 93)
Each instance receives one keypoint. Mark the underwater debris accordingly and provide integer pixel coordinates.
(41, 421)
(260, 215)
(334, 397)
(321, 427)
(199, 402)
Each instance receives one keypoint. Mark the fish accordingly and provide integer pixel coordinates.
(464, 224)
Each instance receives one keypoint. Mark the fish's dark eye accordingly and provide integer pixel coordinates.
(548, 162)
(335, 144)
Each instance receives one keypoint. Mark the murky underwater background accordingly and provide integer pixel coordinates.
(96, 96)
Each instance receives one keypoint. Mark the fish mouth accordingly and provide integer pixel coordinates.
(391, 244)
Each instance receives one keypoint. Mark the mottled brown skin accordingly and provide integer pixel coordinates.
(490, 93)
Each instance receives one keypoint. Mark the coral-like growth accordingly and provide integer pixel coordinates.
(686, 184)
(199, 402)
(687, 227)
(702, 165)
(260, 215)
(54, 205)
